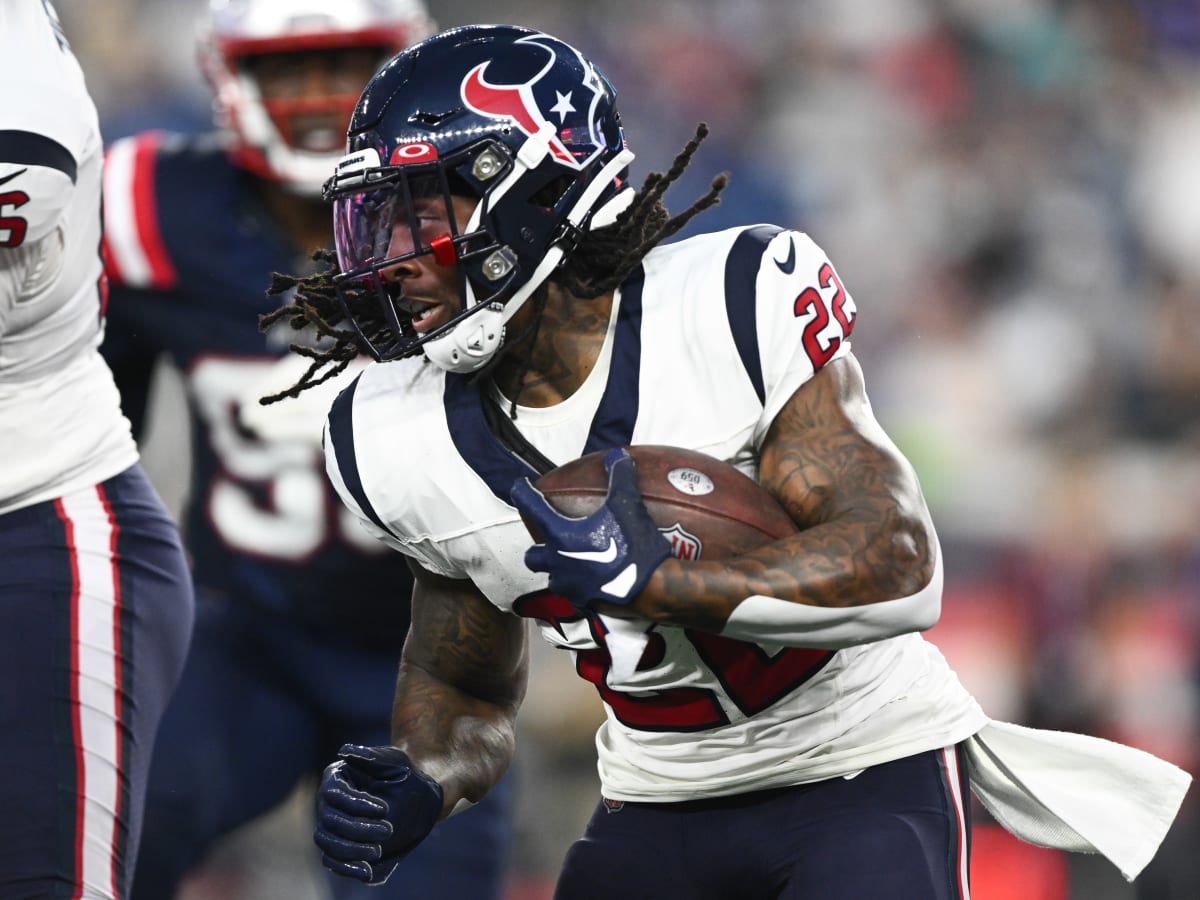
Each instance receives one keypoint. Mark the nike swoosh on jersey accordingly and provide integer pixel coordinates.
(609, 554)
(788, 265)
(9, 178)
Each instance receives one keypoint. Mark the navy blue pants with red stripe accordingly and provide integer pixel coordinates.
(899, 831)
(96, 612)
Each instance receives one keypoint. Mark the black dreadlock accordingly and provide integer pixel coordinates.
(601, 262)
(606, 256)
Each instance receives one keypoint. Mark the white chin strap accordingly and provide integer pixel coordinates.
(468, 346)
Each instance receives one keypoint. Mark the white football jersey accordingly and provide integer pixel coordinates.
(61, 426)
(702, 352)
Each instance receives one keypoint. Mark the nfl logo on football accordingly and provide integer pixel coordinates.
(683, 545)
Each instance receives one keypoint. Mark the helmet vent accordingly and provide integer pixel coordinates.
(430, 119)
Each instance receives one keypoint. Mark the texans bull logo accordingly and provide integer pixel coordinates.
(531, 103)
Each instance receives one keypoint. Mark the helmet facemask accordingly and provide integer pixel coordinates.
(514, 118)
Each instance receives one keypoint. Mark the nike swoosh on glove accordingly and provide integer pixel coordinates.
(373, 807)
(609, 555)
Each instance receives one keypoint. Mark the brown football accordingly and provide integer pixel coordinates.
(705, 507)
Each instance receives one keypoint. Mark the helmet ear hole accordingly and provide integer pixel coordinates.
(482, 168)
(548, 196)
(462, 187)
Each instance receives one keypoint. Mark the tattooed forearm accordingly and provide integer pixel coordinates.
(462, 742)
(865, 533)
(461, 682)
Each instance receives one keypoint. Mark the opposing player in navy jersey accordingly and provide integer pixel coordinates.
(95, 594)
(776, 725)
(300, 614)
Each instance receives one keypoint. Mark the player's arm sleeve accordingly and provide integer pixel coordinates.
(16, 265)
(135, 250)
(770, 620)
(352, 482)
(48, 126)
(341, 467)
(36, 184)
(142, 278)
(804, 317)
(37, 181)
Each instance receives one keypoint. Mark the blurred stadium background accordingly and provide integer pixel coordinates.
(1011, 191)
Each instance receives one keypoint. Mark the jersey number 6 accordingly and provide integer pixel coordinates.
(12, 228)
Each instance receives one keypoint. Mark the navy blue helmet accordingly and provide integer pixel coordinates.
(513, 117)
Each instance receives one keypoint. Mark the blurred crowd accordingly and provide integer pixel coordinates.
(1011, 191)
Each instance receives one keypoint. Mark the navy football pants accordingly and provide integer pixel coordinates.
(898, 831)
(264, 702)
(95, 614)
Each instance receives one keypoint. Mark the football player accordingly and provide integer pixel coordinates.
(300, 616)
(95, 594)
(776, 724)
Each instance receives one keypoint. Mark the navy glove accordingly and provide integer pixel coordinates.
(373, 807)
(609, 555)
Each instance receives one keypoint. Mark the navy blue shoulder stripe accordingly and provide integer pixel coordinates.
(25, 148)
(741, 272)
(612, 425)
(341, 430)
(496, 464)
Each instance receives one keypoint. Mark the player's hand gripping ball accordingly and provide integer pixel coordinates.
(373, 807)
(607, 555)
(707, 508)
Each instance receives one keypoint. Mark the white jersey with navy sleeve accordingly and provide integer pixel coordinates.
(705, 345)
(61, 425)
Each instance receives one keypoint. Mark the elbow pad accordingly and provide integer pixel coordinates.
(769, 620)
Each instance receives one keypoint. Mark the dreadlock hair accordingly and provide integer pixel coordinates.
(606, 257)
(603, 259)
(315, 306)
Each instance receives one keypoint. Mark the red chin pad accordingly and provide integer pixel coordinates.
(443, 250)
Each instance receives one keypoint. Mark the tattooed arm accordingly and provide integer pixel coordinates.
(462, 678)
(865, 538)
